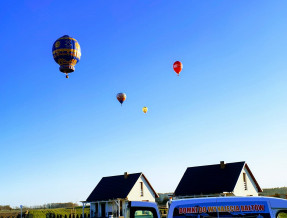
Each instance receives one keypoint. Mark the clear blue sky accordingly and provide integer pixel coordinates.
(59, 136)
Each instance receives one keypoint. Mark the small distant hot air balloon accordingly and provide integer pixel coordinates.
(67, 53)
(121, 97)
(145, 109)
(177, 67)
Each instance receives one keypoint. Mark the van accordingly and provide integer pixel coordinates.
(249, 207)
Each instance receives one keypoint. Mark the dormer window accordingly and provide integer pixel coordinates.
(141, 183)
(244, 181)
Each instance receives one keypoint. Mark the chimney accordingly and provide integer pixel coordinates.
(126, 175)
(222, 164)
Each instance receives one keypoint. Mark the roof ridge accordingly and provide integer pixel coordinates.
(121, 175)
(217, 164)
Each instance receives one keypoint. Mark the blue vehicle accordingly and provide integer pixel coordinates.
(217, 207)
(249, 207)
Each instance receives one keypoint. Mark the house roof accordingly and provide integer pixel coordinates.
(211, 179)
(114, 187)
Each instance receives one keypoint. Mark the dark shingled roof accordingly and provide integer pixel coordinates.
(209, 179)
(114, 187)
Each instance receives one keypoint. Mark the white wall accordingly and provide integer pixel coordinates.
(239, 189)
(135, 193)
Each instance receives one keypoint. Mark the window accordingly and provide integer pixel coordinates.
(143, 212)
(141, 183)
(244, 180)
(282, 214)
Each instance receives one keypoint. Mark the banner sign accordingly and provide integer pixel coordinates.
(224, 209)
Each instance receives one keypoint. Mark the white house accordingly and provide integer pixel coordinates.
(224, 179)
(113, 193)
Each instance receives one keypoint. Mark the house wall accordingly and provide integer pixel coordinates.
(135, 193)
(239, 189)
(110, 207)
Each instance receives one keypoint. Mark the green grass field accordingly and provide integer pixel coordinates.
(8, 213)
(41, 213)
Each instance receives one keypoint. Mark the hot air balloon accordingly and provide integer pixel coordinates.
(67, 53)
(121, 97)
(177, 67)
(145, 109)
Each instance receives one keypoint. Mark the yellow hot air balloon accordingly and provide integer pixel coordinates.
(145, 109)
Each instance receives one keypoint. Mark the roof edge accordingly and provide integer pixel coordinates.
(156, 194)
(121, 175)
(179, 182)
(93, 190)
(216, 164)
(252, 176)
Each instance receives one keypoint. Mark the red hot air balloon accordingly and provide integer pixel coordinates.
(121, 97)
(177, 67)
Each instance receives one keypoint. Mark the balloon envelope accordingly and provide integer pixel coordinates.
(145, 109)
(177, 67)
(121, 97)
(67, 53)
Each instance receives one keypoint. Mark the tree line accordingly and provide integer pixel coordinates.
(55, 205)
(275, 192)
(5, 207)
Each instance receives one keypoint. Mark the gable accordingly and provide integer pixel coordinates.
(246, 185)
(136, 192)
(210, 179)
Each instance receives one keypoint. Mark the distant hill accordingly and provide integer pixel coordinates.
(274, 191)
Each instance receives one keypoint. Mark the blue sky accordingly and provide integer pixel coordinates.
(59, 136)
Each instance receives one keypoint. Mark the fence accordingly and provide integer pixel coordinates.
(48, 215)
